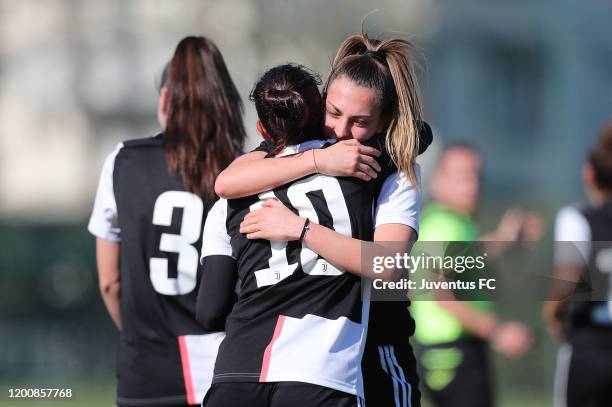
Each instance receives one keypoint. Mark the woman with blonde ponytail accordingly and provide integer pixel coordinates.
(394, 80)
(370, 92)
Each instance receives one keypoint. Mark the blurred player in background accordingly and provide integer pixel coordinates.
(152, 201)
(370, 92)
(452, 335)
(581, 317)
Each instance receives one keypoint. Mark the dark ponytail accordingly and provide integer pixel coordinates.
(204, 128)
(289, 104)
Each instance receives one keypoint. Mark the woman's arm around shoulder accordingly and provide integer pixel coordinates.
(253, 173)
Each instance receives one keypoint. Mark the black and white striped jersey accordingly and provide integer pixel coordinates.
(298, 316)
(584, 239)
(165, 356)
(398, 202)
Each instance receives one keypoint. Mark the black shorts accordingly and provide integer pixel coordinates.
(390, 376)
(281, 394)
(583, 376)
(457, 374)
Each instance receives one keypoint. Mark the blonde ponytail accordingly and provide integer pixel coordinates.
(386, 67)
(402, 139)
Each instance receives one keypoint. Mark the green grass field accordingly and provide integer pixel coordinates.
(513, 400)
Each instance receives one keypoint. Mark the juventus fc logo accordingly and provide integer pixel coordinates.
(277, 275)
(325, 267)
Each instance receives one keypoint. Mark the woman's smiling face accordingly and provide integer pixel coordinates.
(351, 111)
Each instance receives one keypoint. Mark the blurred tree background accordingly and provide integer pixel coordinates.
(527, 82)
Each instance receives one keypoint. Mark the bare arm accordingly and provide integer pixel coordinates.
(510, 338)
(107, 258)
(551, 312)
(514, 226)
(346, 252)
(252, 174)
(562, 287)
(479, 323)
(280, 224)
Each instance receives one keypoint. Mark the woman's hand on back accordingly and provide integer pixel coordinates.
(273, 221)
(348, 158)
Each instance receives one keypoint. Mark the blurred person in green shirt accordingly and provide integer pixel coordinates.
(452, 335)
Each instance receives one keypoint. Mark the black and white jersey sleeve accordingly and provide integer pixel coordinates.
(216, 240)
(217, 293)
(103, 222)
(399, 201)
(573, 237)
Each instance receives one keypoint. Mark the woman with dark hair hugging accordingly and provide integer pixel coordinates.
(297, 333)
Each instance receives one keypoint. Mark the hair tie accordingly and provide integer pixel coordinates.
(374, 54)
